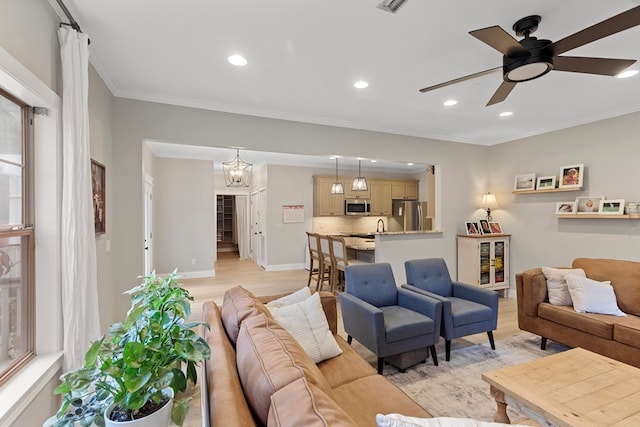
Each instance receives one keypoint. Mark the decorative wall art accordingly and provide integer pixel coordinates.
(525, 182)
(571, 176)
(98, 176)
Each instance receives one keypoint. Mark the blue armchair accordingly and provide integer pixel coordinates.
(385, 319)
(466, 309)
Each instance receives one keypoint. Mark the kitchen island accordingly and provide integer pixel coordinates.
(361, 248)
(396, 247)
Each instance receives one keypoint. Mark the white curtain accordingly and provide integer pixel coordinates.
(242, 224)
(78, 246)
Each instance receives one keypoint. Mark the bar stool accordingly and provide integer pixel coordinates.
(339, 261)
(326, 270)
(315, 261)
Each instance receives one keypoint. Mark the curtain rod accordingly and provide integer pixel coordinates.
(72, 22)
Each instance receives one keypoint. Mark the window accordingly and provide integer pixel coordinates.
(17, 317)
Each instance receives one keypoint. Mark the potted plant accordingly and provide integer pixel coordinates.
(141, 365)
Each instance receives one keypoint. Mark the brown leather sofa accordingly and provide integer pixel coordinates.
(282, 385)
(611, 336)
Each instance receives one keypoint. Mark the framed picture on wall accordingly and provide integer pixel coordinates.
(525, 182)
(612, 207)
(546, 183)
(571, 176)
(99, 192)
(563, 208)
(588, 205)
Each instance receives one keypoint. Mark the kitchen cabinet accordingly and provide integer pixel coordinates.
(484, 261)
(325, 203)
(381, 202)
(404, 190)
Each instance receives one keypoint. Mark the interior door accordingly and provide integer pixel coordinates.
(258, 235)
(148, 225)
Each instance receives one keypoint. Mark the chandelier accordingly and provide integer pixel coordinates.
(237, 173)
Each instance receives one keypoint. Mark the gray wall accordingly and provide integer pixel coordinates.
(610, 151)
(184, 217)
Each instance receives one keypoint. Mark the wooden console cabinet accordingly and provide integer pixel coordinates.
(484, 261)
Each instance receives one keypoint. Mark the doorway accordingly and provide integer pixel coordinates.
(258, 227)
(148, 225)
(226, 224)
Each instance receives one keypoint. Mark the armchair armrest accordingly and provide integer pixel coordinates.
(420, 303)
(362, 321)
(473, 293)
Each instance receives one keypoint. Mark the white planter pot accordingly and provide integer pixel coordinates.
(160, 418)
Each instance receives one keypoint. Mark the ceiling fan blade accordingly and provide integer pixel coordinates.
(501, 94)
(461, 79)
(500, 40)
(621, 22)
(581, 64)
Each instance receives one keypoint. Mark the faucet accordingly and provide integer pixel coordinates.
(378, 226)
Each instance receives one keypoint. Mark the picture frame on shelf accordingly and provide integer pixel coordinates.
(496, 228)
(526, 182)
(588, 205)
(612, 207)
(546, 182)
(566, 208)
(571, 176)
(472, 228)
(484, 226)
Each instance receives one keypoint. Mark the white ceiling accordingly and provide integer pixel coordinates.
(304, 57)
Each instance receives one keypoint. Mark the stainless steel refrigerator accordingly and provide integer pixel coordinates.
(411, 215)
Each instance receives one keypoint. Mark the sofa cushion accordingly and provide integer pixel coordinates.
(225, 397)
(557, 284)
(624, 277)
(600, 325)
(268, 358)
(303, 404)
(346, 367)
(591, 296)
(402, 323)
(307, 323)
(365, 397)
(292, 298)
(239, 304)
(627, 331)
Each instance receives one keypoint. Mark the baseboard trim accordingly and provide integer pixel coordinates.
(284, 267)
(194, 274)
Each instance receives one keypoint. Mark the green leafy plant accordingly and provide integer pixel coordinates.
(142, 361)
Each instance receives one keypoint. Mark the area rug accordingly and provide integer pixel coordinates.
(456, 388)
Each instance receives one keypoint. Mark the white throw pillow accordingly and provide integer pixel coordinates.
(293, 298)
(591, 296)
(397, 420)
(307, 323)
(557, 285)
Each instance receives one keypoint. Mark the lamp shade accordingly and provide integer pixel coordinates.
(489, 201)
(359, 182)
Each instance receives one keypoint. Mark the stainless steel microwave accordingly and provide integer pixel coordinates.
(357, 207)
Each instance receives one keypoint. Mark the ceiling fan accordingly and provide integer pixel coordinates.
(531, 57)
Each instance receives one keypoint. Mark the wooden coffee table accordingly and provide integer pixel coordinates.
(572, 388)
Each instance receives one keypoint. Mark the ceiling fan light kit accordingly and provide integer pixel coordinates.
(531, 58)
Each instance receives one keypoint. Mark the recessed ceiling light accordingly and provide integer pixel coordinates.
(628, 73)
(374, 161)
(449, 102)
(506, 114)
(237, 60)
(361, 84)
(409, 164)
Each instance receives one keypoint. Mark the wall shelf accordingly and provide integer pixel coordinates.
(551, 190)
(595, 216)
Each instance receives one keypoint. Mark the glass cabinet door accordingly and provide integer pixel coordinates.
(499, 261)
(485, 263)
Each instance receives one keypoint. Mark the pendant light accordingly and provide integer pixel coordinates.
(237, 173)
(337, 187)
(360, 182)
